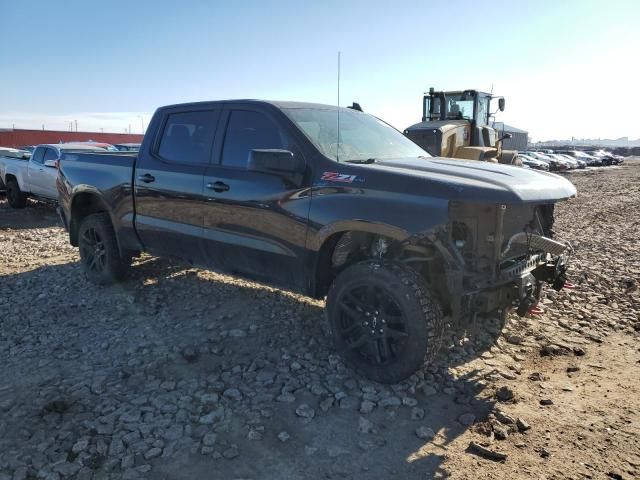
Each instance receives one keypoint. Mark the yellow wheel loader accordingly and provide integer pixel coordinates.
(457, 125)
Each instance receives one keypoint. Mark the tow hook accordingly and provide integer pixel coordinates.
(525, 305)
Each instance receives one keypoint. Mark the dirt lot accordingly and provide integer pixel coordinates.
(181, 373)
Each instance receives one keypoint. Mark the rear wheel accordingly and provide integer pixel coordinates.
(99, 253)
(384, 320)
(15, 197)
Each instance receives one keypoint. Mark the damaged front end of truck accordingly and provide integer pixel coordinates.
(493, 257)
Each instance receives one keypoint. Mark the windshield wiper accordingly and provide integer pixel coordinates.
(364, 160)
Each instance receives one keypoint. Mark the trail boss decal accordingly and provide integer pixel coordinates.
(338, 177)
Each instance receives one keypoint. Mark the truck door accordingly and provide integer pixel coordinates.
(168, 183)
(36, 171)
(255, 223)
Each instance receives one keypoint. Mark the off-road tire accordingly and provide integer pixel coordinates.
(422, 313)
(15, 197)
(112, 266)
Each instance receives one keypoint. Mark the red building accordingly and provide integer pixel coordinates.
(15, 138)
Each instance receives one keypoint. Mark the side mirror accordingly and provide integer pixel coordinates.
(51, 163)
(501, 104)
(26, 156)
(276, 161)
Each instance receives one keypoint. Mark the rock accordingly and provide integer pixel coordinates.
(425, 433)
(572, 369)
(212, 417)
(152, 453)
(286, 397)
(6, 404)
(367, 406)
(504, 418)
(544, 453)
(305, 411)
(486, 452)
(67, 469)
(326, 404)
(546, 401)
(515, 339)
(283, 436)
(128, 461)
(428, 391)
(579, 351)
(522, 425)
(209, 440)
(552, 350)
(504, 394)
(390, 402)
(409, 401)
(237, 333)
(365, 426)
(80, 446)
(190, 354)
(254, 435)
(233, 394)
(417, 413)
(59, 405)
(500, 431)
(467, 419)
(231, 453)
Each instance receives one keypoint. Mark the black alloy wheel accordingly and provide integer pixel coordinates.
(99, 253)
(384, 319)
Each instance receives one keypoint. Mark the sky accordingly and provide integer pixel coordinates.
(567, 68)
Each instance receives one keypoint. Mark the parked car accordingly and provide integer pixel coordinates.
(534, 163)
(35, 174)
(581, 163)
(606, 157)
(571, 162)
(394, 239)
(103, 145)
(127, 147)
(591, 160)
(554, 164)
(12, 153)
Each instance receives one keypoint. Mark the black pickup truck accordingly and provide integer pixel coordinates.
(327, 201)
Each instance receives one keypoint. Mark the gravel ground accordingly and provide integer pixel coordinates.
(181, 373)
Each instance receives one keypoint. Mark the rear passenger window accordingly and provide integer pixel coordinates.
(187, 137)
(248, 130)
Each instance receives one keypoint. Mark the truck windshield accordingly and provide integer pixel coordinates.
(362, 136)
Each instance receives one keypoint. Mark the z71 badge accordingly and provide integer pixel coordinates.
(338, 177)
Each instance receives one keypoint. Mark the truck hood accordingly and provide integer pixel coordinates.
(483, 181)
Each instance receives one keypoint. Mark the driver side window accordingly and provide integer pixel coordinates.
(38, 156)
(248, 130)
(50, 154)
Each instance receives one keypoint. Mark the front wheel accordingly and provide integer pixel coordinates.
(16, 197)
(99, 253)
(384, 319)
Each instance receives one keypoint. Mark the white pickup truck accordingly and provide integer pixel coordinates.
(36, 176)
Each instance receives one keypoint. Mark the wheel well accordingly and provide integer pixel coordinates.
(83, 205)
(9, 177)
(345, 248)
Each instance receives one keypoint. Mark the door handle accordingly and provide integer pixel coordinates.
(218, 186)
(146, 178)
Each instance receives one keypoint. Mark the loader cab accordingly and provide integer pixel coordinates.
(469, 105)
